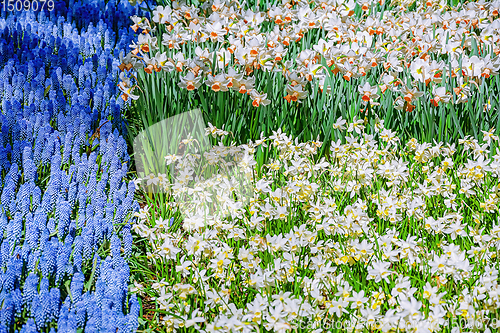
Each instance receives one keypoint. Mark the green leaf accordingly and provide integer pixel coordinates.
(46, 91)
(90, 282)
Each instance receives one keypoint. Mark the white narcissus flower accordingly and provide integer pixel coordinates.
(369, 93)
(218, 82)
(259, 99)
(214, 131)
(151, 64)
(127, 91)
(472, 66)
(339, 124)
(152, 179)
(410, 94)
(265, 61)
(203, 54)
(190, 82)
(223, 58)
(253, 45)
(216, 32)
(279, 52)
(247, 161)
(357, 299)
(164, 62)
(379, 270)
(161, 14)
(194, 320)
(139, 22)
(143, 213)
(127, 63)
(356, 125)
(137, 182)
(171, 41)
(410, 306)
(295, 93)
(393, 61)
(145, 43)
(125, 80)
(192, 223)
(490, 67)
(244, 85)
(171, 159)
(167, 250)
(137, 288)
(420, 70)
(179, 61)
(440, 94)
(211, 130)
(452, 47)
(231, 75)
(276, 14)
(488, 136)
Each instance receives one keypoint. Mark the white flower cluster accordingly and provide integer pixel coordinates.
(387, 236)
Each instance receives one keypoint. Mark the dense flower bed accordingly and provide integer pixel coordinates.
(65, 202)
(430, 72)
(377, 236)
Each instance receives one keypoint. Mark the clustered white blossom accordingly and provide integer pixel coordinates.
(377, 234)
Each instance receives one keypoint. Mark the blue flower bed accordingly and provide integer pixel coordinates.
(64, 199)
